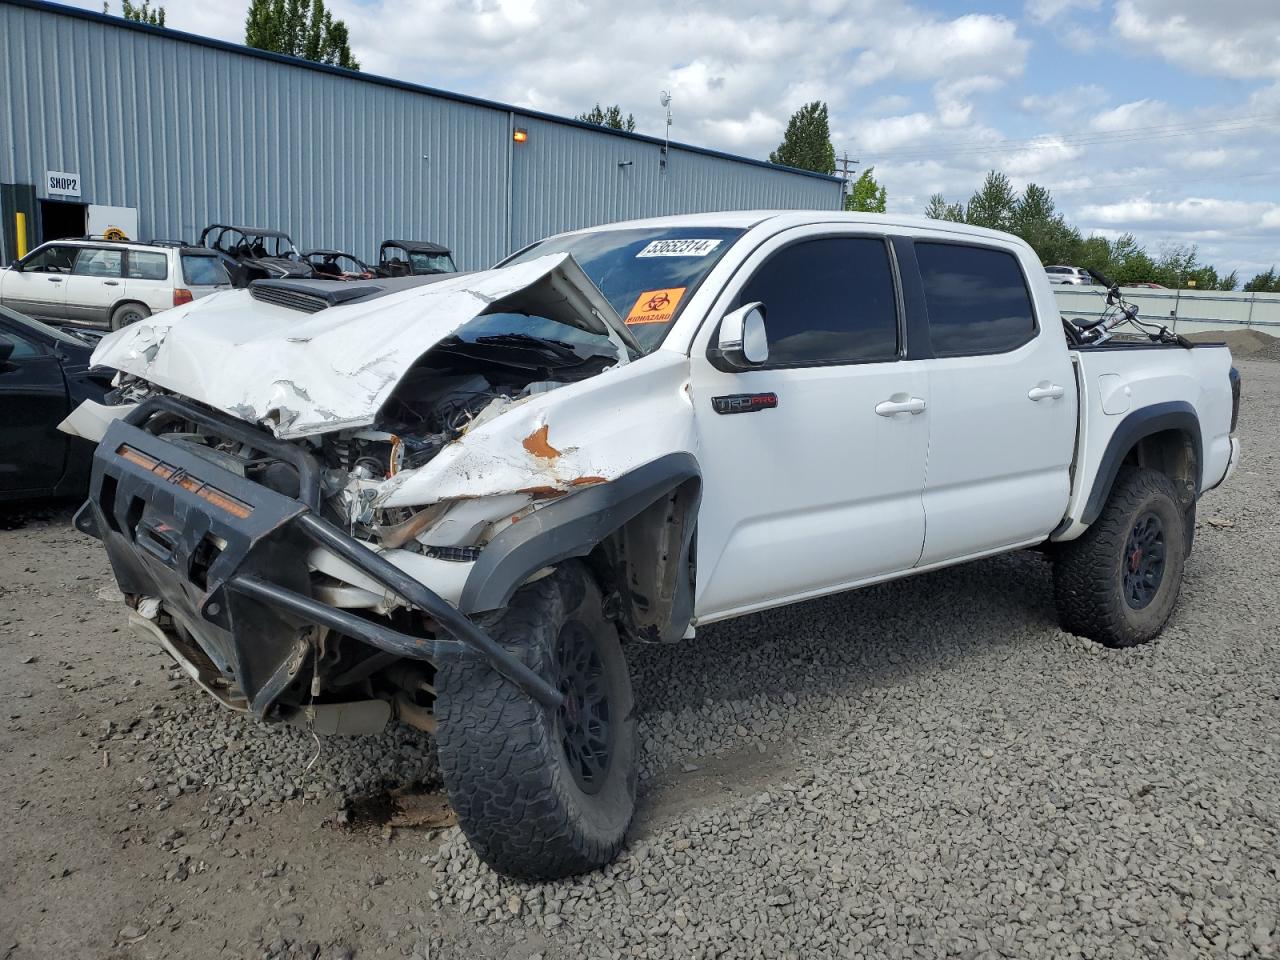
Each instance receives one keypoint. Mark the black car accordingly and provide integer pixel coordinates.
(44, 375)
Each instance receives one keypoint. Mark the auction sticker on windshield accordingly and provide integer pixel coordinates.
(678, 248)
(656, 306)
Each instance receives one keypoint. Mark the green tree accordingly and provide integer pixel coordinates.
(993, 204)
(139, 12)
(807, 142)
(1265, 282)
(1229, 282)
(1178, 263)
(610, 117)
(939, 209)
(866, 195)
(299, 28)
(1035, 219)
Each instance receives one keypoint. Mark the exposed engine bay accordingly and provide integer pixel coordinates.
(368, 451)
(464, 381)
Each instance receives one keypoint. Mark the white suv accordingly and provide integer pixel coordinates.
(109, 283)
(1076, 276)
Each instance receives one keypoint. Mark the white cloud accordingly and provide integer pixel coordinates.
(1043, 11)
(1237, 39)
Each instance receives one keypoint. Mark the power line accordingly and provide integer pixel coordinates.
(1049, 141)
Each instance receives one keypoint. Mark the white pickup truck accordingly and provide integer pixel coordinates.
(452, 504)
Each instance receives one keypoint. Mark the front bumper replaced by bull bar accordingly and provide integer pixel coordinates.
(226, 556)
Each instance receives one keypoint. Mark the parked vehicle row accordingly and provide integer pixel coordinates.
(110, 283)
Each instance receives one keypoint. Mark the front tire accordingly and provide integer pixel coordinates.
(543, 794)
(1118, 583)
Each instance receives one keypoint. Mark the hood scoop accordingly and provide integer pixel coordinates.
(311, 296)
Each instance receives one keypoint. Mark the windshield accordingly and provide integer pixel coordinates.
(432, 263)
(646, 274)
(53, 333)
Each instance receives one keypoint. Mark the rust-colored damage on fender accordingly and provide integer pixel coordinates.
(586, 481)
(537, 444)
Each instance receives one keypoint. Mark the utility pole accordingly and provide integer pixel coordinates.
(844, 167)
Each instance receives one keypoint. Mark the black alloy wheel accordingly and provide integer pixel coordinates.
(586, 733)
(1144, 556)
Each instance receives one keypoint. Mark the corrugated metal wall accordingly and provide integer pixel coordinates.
(189, 133)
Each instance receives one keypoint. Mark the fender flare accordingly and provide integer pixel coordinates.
(1143, 423)
(570, 527)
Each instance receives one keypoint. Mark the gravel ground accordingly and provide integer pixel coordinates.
(922, 769)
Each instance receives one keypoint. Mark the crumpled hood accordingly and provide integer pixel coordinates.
(305, 373)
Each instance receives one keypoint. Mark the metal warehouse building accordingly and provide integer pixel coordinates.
(109, 123)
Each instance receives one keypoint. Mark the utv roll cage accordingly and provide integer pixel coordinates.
(402, 258)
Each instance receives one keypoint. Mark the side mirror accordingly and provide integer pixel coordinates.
(16, 265)
(742, 342)
(6, 349)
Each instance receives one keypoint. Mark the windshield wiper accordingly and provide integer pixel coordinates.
(557, 347)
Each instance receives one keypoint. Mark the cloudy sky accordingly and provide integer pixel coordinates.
(1161, 117)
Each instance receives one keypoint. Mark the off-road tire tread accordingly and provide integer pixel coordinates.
(1086, 585)
(499, 757)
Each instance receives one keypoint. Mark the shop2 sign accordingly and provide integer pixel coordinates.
(61, 182)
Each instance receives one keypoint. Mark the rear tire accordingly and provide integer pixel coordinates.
(1118, 583)
(128, 313)
(543, 794)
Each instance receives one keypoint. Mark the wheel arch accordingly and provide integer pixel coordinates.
(1164, 437)
(635, 532)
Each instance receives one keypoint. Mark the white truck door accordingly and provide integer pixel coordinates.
(96, 282)
(1002, 420)
(813, 465)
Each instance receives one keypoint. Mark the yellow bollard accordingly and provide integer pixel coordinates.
(20, 225)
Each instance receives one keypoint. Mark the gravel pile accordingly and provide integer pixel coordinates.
(923, 769)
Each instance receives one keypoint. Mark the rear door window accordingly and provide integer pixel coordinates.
(99, 262)
(201, 271)
(827, 300)
(146, 265)
(977, 299)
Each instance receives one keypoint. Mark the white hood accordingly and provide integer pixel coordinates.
(305, 373)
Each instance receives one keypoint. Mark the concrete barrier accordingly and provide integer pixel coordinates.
(1185, 311)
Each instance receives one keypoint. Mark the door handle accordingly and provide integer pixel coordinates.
(111, 283)
(54, 279)
(1046, 391)
(889, 408)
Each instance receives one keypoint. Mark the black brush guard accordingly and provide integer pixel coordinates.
(227, 556)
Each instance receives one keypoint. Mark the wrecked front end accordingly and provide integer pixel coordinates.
(315, 565)
(227, 573)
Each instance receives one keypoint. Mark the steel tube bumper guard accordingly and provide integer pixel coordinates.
(227, 555)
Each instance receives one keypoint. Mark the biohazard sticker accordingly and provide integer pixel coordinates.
(656, 306)
(678, 248)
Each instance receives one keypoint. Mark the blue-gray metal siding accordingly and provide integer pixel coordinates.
(190, 134)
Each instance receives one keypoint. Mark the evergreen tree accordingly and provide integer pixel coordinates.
(299, 28)
(807, 143)
(992, 206)
(610, 117)
(939, 209)
(139, 12)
